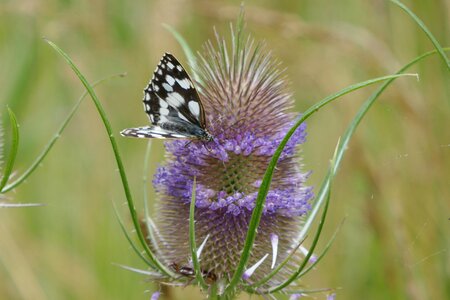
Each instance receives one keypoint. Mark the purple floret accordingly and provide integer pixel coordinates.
(192, 159)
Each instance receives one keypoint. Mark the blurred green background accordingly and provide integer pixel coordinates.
(393, 188)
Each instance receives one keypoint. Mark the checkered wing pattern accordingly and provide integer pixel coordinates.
(172, 105)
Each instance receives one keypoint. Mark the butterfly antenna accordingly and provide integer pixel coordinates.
(188, 143)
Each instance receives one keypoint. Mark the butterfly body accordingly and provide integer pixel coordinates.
(172, 105)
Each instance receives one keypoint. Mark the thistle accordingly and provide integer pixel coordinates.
(232, 145)
(246, 104)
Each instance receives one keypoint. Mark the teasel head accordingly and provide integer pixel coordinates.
(247, 107)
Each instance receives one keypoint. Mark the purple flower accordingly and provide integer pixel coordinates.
(247, 111)
(155, 295)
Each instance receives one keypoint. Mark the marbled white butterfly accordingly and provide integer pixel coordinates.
(172, 105)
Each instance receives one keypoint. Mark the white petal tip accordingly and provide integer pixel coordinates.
(249, 272)
(274, 241)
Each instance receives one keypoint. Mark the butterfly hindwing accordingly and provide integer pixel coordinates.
(151, 132)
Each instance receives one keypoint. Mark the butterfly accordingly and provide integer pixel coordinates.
(172, 105)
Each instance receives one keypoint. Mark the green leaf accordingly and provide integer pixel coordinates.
(12, 152)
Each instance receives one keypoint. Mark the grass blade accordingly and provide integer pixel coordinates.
(130, 240)
(265, 185)
(186, 49)
(346, 139)
(12, 152)
(145, 178)
(321, 255)
(56, 136)
(151, 227)
(316, 238)
(165, 270)
(422, 26)
(294, 276)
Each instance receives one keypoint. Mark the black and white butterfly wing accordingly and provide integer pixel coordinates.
(172, 85)
(172, 105)
(152, 132)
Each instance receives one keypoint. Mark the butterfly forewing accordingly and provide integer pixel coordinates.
(172, 85)
(172, 104)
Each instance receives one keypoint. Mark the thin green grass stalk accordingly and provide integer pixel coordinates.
(238, 37)
(343, 145)
(192, 245)
(310, 267)
(56, 136)
(145, 178)
(151, 227)
(294, 276)
(346, 139)
(130, 240)
(118, 158)
(148, 219)
(325, 250)
(288, 258)
(186, 49)
(422, 26)
(370, 101)
(265, 185)
(277, 269)
(351, 129)
(13, 151)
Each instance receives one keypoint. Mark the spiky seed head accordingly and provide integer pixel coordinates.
(247, 107)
